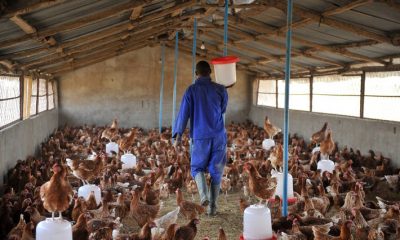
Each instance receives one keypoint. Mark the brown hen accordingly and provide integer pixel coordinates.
(270, 129)
(57, 193)
(189, 209)
(262, 188)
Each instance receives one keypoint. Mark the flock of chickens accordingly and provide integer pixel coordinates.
(328, 205)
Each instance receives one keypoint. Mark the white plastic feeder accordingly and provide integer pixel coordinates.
(50, 229)
(85, 191)
(279, 186)
(225, 70)
(326, 165)
(257, 223)
(128, 161)
(316, 149)
(239, 2)
(111, 146)
(267, 144)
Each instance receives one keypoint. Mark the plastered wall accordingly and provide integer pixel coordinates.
(128, 87)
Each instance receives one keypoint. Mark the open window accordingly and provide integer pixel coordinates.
(382, 95)
(10, 100)
(337, 94)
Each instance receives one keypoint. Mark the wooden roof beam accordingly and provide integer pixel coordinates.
(25, 26)
(31, 31)
(316, 47)
(82, 43)
(347, 7)
(35, 6)
(163, 13)
(114, 41)
(297, 53)
(93, 58)
(136, 12)
(319, 17)
(78, 23)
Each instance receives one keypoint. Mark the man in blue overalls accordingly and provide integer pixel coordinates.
(204, 102)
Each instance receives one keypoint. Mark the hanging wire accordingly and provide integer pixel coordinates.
(161, 87)
(175, 79)
(286, 112)
(194, 50)
(226, 28)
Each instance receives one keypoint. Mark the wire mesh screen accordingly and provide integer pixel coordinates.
(9, 100)
(42, 95)
(33, 97)
(299, 94)
(382, 95)
(267, 93)
(51, 95)
(337, 95)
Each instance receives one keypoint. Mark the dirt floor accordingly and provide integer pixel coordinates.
(229, 217)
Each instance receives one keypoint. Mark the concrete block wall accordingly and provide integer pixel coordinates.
(24, 138)
(128, 87)
(362, 134)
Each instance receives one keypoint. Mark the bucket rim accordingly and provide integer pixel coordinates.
(225, 60)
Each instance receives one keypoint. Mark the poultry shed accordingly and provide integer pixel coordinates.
(79, 75)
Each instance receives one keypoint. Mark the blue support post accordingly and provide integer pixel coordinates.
(286, 114)
(194, 50)
(175, 79)
(226, 28)
(161, 87)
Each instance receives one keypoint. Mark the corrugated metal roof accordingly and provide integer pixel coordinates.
(8, 30)
(30, 44)
(375, 17)
(67, 12)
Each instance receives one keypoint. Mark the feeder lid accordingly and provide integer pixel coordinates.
(225, 60)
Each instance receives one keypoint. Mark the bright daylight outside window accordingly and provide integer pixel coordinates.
(267, 93)
(382, 95)
(9, 100)
(337, 95)
(50, 91)
(42, 95)
(299, 94)
(34, 97)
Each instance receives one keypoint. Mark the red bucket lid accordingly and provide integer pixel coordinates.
(225, 60)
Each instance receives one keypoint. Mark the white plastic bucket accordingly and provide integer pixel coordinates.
(267, 144)
(111, 146)
(257, 223)
(279, 186)
(326, 165)
(128, 161)
(225, 70)
(85, 191)
(50, 229)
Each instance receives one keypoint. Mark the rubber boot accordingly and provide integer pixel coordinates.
(214, 193)
(202, 187)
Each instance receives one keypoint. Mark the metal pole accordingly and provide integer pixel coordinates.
(175, 79)
(286, 116)
(194, 50)
(161, 87)
(362, 95)
(226, 28)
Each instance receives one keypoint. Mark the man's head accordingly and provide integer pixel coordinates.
(203, 69)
